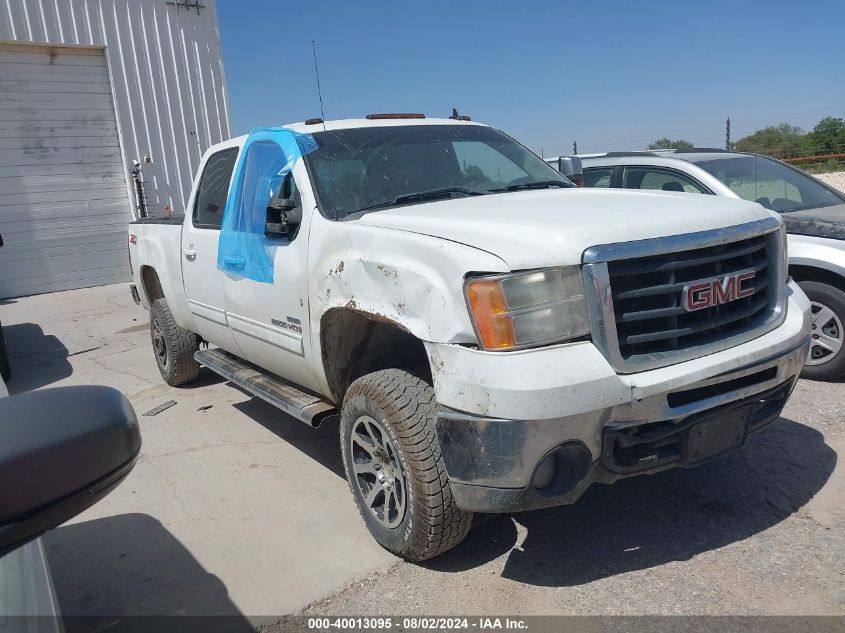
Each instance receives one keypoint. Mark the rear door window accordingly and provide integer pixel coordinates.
(657, 179)
(213, 189)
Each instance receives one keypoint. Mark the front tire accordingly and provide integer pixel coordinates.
(174, 347)
(826, 360)
(394, 467)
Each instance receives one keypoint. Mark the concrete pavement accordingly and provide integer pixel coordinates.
(235, 508)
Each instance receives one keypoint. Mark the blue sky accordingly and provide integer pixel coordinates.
(609, 74)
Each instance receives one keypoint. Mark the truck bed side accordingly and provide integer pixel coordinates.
(156, 256)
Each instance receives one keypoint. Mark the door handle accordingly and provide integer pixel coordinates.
(190, 253)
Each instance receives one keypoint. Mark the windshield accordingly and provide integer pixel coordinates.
(364, 169)
(771, 184)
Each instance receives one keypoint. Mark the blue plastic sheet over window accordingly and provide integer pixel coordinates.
(268, 155)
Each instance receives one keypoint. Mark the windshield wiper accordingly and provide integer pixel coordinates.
(434, 194)
(542, 184)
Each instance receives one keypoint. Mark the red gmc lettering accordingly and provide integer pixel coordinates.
(699, 296)
(717, 291)
(748, 291)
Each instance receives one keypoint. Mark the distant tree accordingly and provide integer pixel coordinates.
(828, 137)
(780, 141)
(668, 143)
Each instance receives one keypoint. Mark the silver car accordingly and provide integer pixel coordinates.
(814, 214)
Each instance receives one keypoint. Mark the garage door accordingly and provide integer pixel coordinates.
(63, 198)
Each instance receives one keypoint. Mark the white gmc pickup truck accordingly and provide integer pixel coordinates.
(491, 338)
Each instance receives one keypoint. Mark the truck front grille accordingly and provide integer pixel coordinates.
(638, 288)
(648, 297)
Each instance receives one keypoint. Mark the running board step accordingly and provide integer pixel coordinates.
(306, 407)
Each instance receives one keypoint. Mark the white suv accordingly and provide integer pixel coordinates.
(813, 212)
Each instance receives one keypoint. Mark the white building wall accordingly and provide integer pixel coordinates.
(166, 72)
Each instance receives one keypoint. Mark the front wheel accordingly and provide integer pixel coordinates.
(826, 360)
(393, 464)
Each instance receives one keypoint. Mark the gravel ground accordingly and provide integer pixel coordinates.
(835, 179)
(758, 532)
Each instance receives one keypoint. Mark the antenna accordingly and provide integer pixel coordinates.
(319, 90)
(323, 119)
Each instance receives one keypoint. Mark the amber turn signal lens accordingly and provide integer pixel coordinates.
(489, 308)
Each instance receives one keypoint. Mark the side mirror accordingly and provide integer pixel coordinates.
(570, 166)
(282, 217)
(61, 451)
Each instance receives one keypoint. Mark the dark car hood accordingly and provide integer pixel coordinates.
(823, 222)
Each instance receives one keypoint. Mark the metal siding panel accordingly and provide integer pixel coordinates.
(166, 77)
(101, 138)
(41, 115)
(39, 155)
(159, 123)
(89, 169)
(172, 152)
(77, 74)
(71, 182)
(182, 137)
(64, 56)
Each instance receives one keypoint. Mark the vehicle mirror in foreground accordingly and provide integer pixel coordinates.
(61, 451)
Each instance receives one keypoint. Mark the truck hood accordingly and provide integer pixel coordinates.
(553, 227)
(824, 222)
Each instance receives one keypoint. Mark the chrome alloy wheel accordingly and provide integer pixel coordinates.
(827, 335)
(378, 472)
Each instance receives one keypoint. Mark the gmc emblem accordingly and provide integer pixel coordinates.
(713, 292)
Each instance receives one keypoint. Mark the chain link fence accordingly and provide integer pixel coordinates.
(829, 168)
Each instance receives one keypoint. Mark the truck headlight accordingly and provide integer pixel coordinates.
(527, 309)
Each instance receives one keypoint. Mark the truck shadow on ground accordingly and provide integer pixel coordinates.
(37, 359)
(205, 378)
(108, 572)
(320, 444)
(647, 521)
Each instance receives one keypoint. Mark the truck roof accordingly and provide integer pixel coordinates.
(345, 124)
(691, 155)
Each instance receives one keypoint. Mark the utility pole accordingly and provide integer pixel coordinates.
(574, 147)
(728, 134)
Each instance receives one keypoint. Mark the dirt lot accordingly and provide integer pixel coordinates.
(236, 509)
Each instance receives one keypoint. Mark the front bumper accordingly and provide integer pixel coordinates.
(554, 442)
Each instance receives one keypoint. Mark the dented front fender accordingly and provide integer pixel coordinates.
(412, 281)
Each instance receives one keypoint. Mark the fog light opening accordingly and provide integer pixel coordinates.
(545, 471)
(562, 469)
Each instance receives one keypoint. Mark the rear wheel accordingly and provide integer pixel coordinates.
(826, 360)
(393, 464)
(5, 370)
(173, 346)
